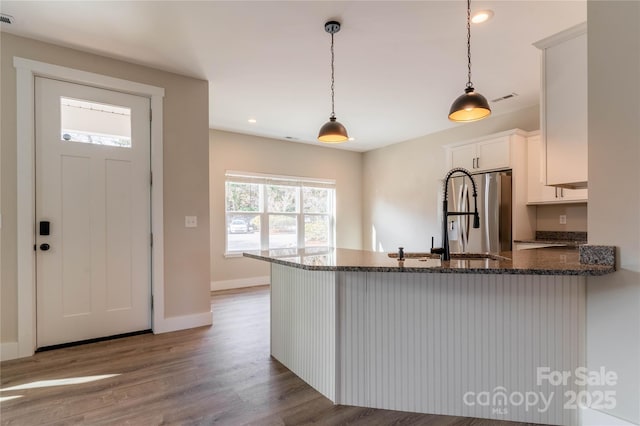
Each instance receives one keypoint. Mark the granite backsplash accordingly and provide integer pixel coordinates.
(561, 236)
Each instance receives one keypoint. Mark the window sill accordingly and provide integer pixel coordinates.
(231, 255)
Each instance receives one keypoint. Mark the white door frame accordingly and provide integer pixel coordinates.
(26, 71)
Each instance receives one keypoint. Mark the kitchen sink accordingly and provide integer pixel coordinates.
(456, 256)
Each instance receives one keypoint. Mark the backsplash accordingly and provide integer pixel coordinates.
(561, 236)
(548, 217)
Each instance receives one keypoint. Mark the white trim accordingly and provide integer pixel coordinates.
(26, 71)
(8, 350)
(268, 177)
(517, 132)
(565, 35)
(183, 322)
(157, 214)
(240, 283)
(71, 75)
(589, 417)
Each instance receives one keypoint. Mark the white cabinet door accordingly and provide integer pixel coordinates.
(537, 191)
(564, 106)
(481, 156)
(577, 195)
(464, 156)
(493, 154)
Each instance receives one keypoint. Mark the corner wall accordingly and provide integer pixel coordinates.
(401, 183)
(185, 138)
(613, 301)
(234, 151)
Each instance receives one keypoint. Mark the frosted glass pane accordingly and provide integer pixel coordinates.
(95, 123)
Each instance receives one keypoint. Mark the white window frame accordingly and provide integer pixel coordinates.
(263, 180)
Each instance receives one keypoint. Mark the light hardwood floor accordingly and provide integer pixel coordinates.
(218, 375)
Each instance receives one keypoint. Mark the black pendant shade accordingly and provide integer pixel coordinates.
(333, 132)
(470, 106)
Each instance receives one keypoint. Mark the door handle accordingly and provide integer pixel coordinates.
(44, 247)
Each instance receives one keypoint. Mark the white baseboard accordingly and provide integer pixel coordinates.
(8, 350)
(589, 417)
(240, 283)
(183, 322)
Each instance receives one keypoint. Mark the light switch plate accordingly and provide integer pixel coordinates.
(563, 219)
(191, 221)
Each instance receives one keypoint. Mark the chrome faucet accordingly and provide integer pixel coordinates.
(444, 251)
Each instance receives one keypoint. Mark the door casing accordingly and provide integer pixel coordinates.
(26, 71)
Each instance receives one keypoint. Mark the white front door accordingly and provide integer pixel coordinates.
(93, 195)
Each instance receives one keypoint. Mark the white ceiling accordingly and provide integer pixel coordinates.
(399, 64)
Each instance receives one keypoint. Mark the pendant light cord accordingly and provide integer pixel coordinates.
(469, 84)
(333, 114)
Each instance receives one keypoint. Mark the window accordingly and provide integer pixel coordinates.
(95, 123)
(265, 212)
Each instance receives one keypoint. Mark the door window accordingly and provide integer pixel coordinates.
(95, 123)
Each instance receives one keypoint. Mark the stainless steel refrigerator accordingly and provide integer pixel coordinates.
(494, 208)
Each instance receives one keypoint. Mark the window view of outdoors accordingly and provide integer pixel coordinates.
(317, 210)
(95, 123)
(283, 228)
(264, 216)
(243, 227)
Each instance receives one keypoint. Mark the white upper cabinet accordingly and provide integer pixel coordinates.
(564, 108)
(537, 191)
(491, 154)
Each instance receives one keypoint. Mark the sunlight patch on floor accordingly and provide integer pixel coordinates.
(59, 382)
(9, 398)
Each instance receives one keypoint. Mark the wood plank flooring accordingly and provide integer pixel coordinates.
(211, 375)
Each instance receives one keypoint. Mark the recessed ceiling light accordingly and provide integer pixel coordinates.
(252, 120)
(481, 16)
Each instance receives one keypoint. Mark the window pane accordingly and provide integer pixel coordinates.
(316, 200)
(282, 199)
(316, 231)
(95, 123)
(243, 197)
(243, 232)
(283, 231)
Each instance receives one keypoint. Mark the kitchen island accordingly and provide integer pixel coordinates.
(464, 337)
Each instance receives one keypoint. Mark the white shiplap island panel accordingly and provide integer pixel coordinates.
(303, 325)
(421, 342)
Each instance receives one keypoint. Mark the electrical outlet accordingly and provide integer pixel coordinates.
(191, 221)
(563, 219)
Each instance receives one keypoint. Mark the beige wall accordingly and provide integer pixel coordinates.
(186, 189)
(548, 217)
(233, 151)
(613, 301)
(401, 182)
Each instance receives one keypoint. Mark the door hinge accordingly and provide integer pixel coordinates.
(152, 301)
(150, 178)
(150, 114)
(151, 235)
(35, 247)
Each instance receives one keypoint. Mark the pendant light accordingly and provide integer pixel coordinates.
(332, 131)
(471, 106)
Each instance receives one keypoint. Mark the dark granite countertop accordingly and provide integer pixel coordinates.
(568, 243)
(544, 261)
(567, 238)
